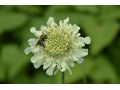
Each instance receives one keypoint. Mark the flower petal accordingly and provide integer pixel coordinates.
(74, 58)
(53, 65)
(37, 33)
(34, 49)
(37, 61)
(80, 60)
(66, 20)
(60, 24)
(32, 42)
(50, 71)
(33, 30)
(44, 29)
(50, 20)
(67, 66)
(87, 40)
(55, 71)
(27, 50)
(63, 66)
(84, 52)
(71, 63)
(33, 59)
(76, 27)
(81, 44)
(46, 65)
(51, 23)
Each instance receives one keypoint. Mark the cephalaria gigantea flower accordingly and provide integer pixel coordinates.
(57, 47)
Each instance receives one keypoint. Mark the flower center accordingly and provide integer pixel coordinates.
(57, 43)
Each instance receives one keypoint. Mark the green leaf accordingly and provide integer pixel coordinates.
(42, 78)
(10, 21)
(29, 9)
(14, 59)
(2, 72)
(57, 9)
(21, 79)
(109, 13)
(102, 34)
(113, 51)
(86, 8)
(103, 71)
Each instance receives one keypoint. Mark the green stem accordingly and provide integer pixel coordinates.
(84, 75)
(63, 77)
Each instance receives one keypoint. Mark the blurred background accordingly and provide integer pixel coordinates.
(101, 23)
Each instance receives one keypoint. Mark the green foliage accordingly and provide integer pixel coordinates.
(90, 9)
(101, 23)
(103, 71)
(45, 78)
(30, 9)
(23, 78)
(2, 72)
(10, 21)
(14, 60)
(101, 33)
(110, 13)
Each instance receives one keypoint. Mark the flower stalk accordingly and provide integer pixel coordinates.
(63, 77)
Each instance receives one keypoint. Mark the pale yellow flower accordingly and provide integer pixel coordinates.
(62, 47)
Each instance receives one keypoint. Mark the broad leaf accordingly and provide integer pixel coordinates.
(29, 9)
(86, 8)
(102, 34)
(109, 13)
(103, 71)
(21, 79)
(10, 21)
(2, 72)
(14, 59)
(42, 78)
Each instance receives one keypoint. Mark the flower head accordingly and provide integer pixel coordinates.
(62, 47)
